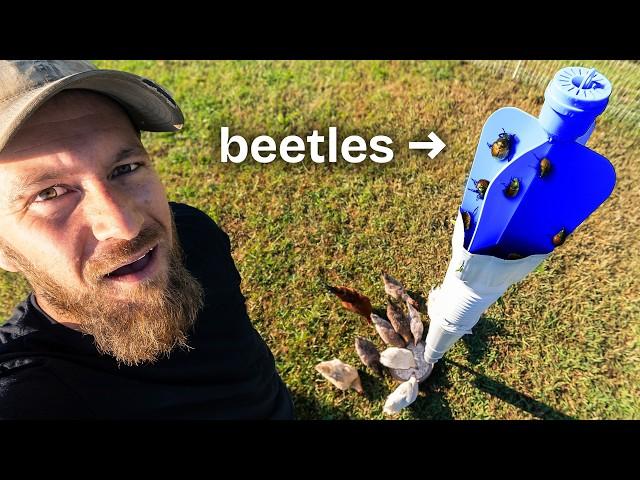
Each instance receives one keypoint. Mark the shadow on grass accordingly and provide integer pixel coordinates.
(375, 388)
(308, 407)
(421, 299)
(431, 403)
(509, 395)
(478, 343)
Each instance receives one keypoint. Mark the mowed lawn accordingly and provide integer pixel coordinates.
(563, 343)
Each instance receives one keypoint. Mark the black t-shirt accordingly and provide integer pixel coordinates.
(48, 370)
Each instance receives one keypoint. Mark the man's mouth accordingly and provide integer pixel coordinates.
(136, 268)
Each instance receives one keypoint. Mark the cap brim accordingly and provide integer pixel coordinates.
(149, 106)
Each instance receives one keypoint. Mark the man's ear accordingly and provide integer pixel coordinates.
(6, 264)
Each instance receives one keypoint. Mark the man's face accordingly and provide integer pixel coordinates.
(84, 216)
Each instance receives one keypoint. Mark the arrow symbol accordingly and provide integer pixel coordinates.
(435, 145)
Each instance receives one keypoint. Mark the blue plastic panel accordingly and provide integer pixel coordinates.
(579, 181)
(528, 135)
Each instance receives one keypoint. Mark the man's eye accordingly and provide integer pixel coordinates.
(124, 169)
(58, 190)
(51, 192)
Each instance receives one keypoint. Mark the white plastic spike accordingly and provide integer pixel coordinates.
(472, 283)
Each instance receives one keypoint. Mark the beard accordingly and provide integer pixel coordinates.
(156, 315)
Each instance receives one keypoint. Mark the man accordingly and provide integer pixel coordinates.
(136, 309)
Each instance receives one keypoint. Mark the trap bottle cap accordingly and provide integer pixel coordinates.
(573, 100)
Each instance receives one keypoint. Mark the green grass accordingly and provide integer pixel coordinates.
(561, 344)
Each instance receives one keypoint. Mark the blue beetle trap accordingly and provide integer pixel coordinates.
(559, 181)
(532, 183)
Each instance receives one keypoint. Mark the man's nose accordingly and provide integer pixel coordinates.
(112, 214)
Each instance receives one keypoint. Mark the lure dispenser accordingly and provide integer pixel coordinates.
(532, 183)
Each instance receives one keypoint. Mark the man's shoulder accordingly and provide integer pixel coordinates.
(187, 211)
(195, 225)
(15, 351)
(206, 246)
(187, 214)
(29, 386)
(30, 390)
(25, 340)
(15, 327)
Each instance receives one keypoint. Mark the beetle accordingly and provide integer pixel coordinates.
(502, 146)
(559, 238)
(467, 218)
(544, 167)
(513, 188)
(481, 187)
